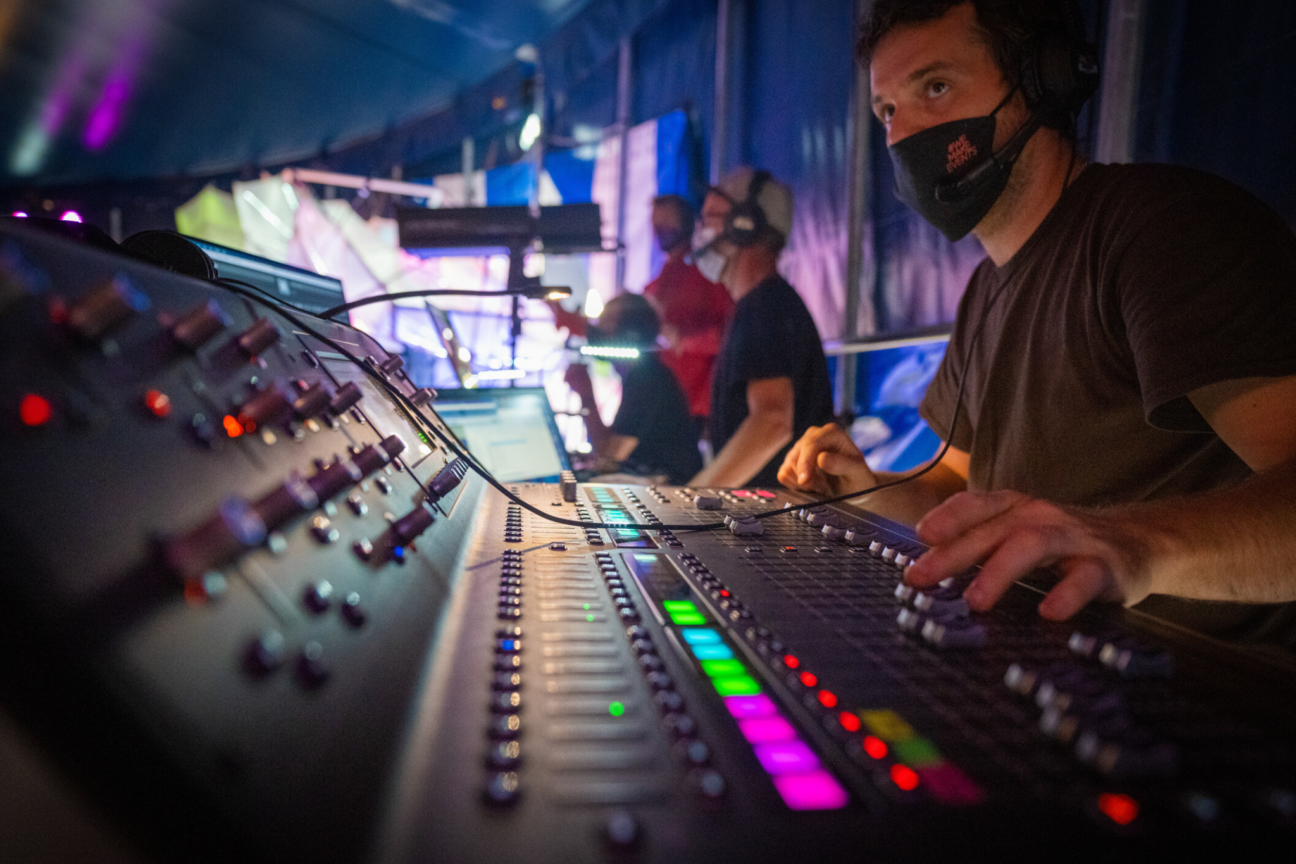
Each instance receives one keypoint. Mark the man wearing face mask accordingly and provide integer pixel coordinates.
(693, 309)
(1120, 386)
(771, 379)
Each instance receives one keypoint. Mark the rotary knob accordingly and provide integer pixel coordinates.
(199, 325)
(105, 308)
(257, 338)
(346, 397)
(312, 402)
(292, 499)
(266, 408)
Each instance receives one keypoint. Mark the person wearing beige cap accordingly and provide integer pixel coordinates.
(771, 378)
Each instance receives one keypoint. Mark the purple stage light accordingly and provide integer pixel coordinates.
(18, 214)
(71, 216)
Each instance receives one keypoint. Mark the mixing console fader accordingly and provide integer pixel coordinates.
(258, 607)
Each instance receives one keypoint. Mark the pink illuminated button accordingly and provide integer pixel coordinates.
(787, 757)
(764, 493)
(817, 790)
(765, 730)
(749, 707)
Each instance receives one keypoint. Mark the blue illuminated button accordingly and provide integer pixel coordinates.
(712, 652)
(700, 636)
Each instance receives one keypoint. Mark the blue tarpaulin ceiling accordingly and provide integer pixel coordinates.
(118, 89)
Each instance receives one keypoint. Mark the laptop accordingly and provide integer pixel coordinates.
(510, 430)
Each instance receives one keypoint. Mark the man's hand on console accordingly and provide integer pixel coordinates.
(1099, 557)
(826, 462)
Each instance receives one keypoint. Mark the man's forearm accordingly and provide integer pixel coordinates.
(1234, 544)
(757, 440)
(910, 501)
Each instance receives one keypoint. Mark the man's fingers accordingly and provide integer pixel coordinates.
(1014, 556)
(1085, 579)
(962, 511)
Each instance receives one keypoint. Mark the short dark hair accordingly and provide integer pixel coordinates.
(1009, 28)
(630, 318)
(682, 208)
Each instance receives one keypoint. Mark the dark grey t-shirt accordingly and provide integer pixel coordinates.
(1143, 284)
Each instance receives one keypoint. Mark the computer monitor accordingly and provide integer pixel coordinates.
(510, 430)
(310, 291)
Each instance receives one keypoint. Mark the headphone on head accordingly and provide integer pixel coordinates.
(746, 220)
(1061, 73)
(1057, 77)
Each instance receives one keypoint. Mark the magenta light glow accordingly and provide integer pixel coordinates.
(18, 214)
(106, 116)
(71, 216)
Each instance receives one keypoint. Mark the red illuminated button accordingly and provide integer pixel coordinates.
(233, 428)
(827, 699)
(809, 679)
(158, 403)
(1121, 809)
(875, 747)
(34, 410)
(904, 777)
(790, 661)
(849, 721)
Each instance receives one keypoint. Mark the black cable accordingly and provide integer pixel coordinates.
(432, 292)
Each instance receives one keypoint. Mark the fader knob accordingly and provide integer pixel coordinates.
(257, 338)
(422, 396)
(105, 308)
(199, 325)
(266, 408)
(391, 365)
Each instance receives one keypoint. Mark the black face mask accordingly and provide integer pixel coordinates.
(950, 173)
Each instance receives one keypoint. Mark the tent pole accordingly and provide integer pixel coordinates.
(721, 107)
(1120, 82)
(857, 216)
(623, 123)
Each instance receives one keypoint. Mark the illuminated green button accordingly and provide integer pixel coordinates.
(711, 652)
(616, 709)
(738, 685)
(917, 753)
(723, 668)
(683, 612)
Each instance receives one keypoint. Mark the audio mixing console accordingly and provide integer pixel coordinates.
(258, 607)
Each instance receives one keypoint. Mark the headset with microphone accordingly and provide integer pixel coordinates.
(1056, 78)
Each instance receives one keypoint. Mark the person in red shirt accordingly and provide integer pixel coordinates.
(694, 310)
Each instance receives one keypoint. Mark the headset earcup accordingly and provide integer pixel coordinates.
(171, 251)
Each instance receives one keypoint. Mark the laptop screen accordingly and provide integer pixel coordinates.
(510, 430)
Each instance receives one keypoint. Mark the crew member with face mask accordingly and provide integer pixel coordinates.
(1120, 385)
(771, 379)
(693, 309)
